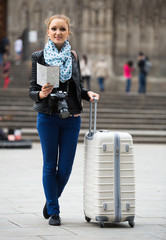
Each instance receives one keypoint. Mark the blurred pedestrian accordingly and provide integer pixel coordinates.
(6, 70)
(2, 135)
(127, 72)
(18, 47)
(10, 135)
(85, 70)
(4, 48)
(101, 72)
(142, 72)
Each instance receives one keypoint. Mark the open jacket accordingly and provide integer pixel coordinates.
(41, 105)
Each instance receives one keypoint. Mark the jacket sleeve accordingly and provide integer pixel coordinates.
(84, 91)
(34, 88)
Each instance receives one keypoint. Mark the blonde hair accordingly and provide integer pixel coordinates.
(59, 16)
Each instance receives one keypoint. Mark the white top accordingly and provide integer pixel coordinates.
(85, 68)
(18, 45)
(101, 69)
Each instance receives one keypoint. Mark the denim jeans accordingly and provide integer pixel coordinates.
(142, 83)
(128, 85)
(58, 139)
(101, 83)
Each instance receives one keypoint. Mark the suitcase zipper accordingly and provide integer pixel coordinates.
(117, 178)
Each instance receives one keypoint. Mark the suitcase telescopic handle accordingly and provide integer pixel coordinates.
(90, 117)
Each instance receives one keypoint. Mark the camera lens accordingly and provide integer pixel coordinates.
(63, 109)
(64, 113)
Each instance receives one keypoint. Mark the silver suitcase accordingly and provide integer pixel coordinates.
(109, 177)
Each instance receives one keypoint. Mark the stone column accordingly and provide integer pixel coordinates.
(96, 34)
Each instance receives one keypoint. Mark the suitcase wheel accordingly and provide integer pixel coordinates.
(131, 224)
(87, 219)
(101, 224)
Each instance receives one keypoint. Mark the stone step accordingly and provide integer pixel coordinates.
(107, 94)
(134, 126)
(31, 116)
(20, 103)
(100, 111)
(106, 97)
(138, 136)
(86, 110)
(145, 116)
(122, 106)
(100, 120)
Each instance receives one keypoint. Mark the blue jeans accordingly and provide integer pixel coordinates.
(128, 84)
(142, 83)
(58, 139)
(101, 83)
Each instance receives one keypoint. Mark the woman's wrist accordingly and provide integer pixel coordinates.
(40, 95)
(92, 95)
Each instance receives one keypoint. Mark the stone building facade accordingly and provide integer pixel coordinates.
(114, 29)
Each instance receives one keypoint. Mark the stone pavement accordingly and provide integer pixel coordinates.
(22, 199)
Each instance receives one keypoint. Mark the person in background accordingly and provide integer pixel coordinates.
(142, 72)
(58, 136)
(18, 47)
(127, 72)
(4, 48)
(10, 135)
(101, 72)
(85, 70)
(6, 71)
(2, 135)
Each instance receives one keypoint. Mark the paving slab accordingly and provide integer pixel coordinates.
(22, 199)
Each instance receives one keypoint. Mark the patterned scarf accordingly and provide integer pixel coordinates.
(61, 58)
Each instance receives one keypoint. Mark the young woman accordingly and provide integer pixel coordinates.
(58, 135)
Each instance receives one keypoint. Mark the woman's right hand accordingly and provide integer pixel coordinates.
(45, 91)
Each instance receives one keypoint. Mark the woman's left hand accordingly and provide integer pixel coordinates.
(92, 95)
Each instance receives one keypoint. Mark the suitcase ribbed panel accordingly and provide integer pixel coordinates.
(105, 181)
(127, 176)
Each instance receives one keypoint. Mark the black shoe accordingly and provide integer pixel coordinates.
(55, 220)
(45, 214)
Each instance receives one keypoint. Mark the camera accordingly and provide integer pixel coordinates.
(59, 99)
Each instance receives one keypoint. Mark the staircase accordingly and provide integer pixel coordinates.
(144, 116)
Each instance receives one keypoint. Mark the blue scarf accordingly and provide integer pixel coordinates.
(61, 58)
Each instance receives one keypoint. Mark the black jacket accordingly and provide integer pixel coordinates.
(141, 65)
(41, 105)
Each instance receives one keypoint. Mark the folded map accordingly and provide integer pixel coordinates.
(47, 74)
